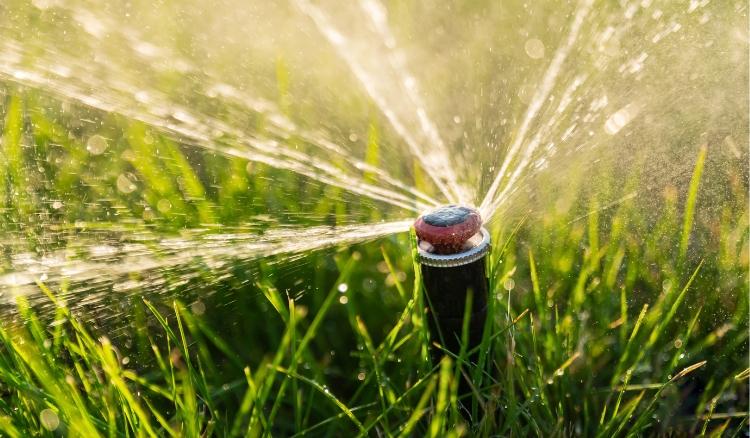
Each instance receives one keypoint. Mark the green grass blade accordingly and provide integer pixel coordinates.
(332, 419)
(646, 414)
(419, 410)
(437, 423)
(327, 393)
(714, 401)
(687, 224)
(378, 372)
(624, 357)
(399, 286)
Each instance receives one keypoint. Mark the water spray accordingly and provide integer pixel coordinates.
(452, 247)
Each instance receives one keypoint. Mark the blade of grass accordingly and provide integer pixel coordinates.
(540, 304)
(249, 399)
(740, 427)
(646, 414)
(462, 356)
(293, 368)
(426, 379)
(624, 357)
(437, 423)
(420, 321)
(328, 395)
(720, 430)
(512, 234)
(659, 329)
(714, 401)
(387, 346)
(332, 419)
(629, 412)
(511, 420)
(679, 354)
(419, 409)
(378, 372)
(687, 224)
(212, 336)
(182, 347)
(399, 286)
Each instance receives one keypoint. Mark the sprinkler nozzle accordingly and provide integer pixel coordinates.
(447, 229)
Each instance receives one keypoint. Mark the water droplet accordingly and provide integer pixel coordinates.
(49, 419)
(125, 183)
(526, 92)
(198, 308)
(535, 48)
(148, 214)
(96, 145)
(343, 287)
(369, 285)
(164, 205)
(617, 121)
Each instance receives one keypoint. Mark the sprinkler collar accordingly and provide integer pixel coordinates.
(481, 246)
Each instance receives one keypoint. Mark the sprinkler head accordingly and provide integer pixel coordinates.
(452, 246)
(447, 229)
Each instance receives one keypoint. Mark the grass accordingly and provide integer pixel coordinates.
(630, 322)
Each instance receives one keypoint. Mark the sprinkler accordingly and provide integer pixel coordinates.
(452, 245)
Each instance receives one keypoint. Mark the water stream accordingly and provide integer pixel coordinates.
(384, 115)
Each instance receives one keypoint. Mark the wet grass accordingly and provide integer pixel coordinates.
(630, 321)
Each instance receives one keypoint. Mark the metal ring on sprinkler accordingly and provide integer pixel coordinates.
(462, 258)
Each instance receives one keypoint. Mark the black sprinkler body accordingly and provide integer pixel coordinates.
(452, 251)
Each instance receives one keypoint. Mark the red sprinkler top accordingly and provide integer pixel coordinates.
(448, 228)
